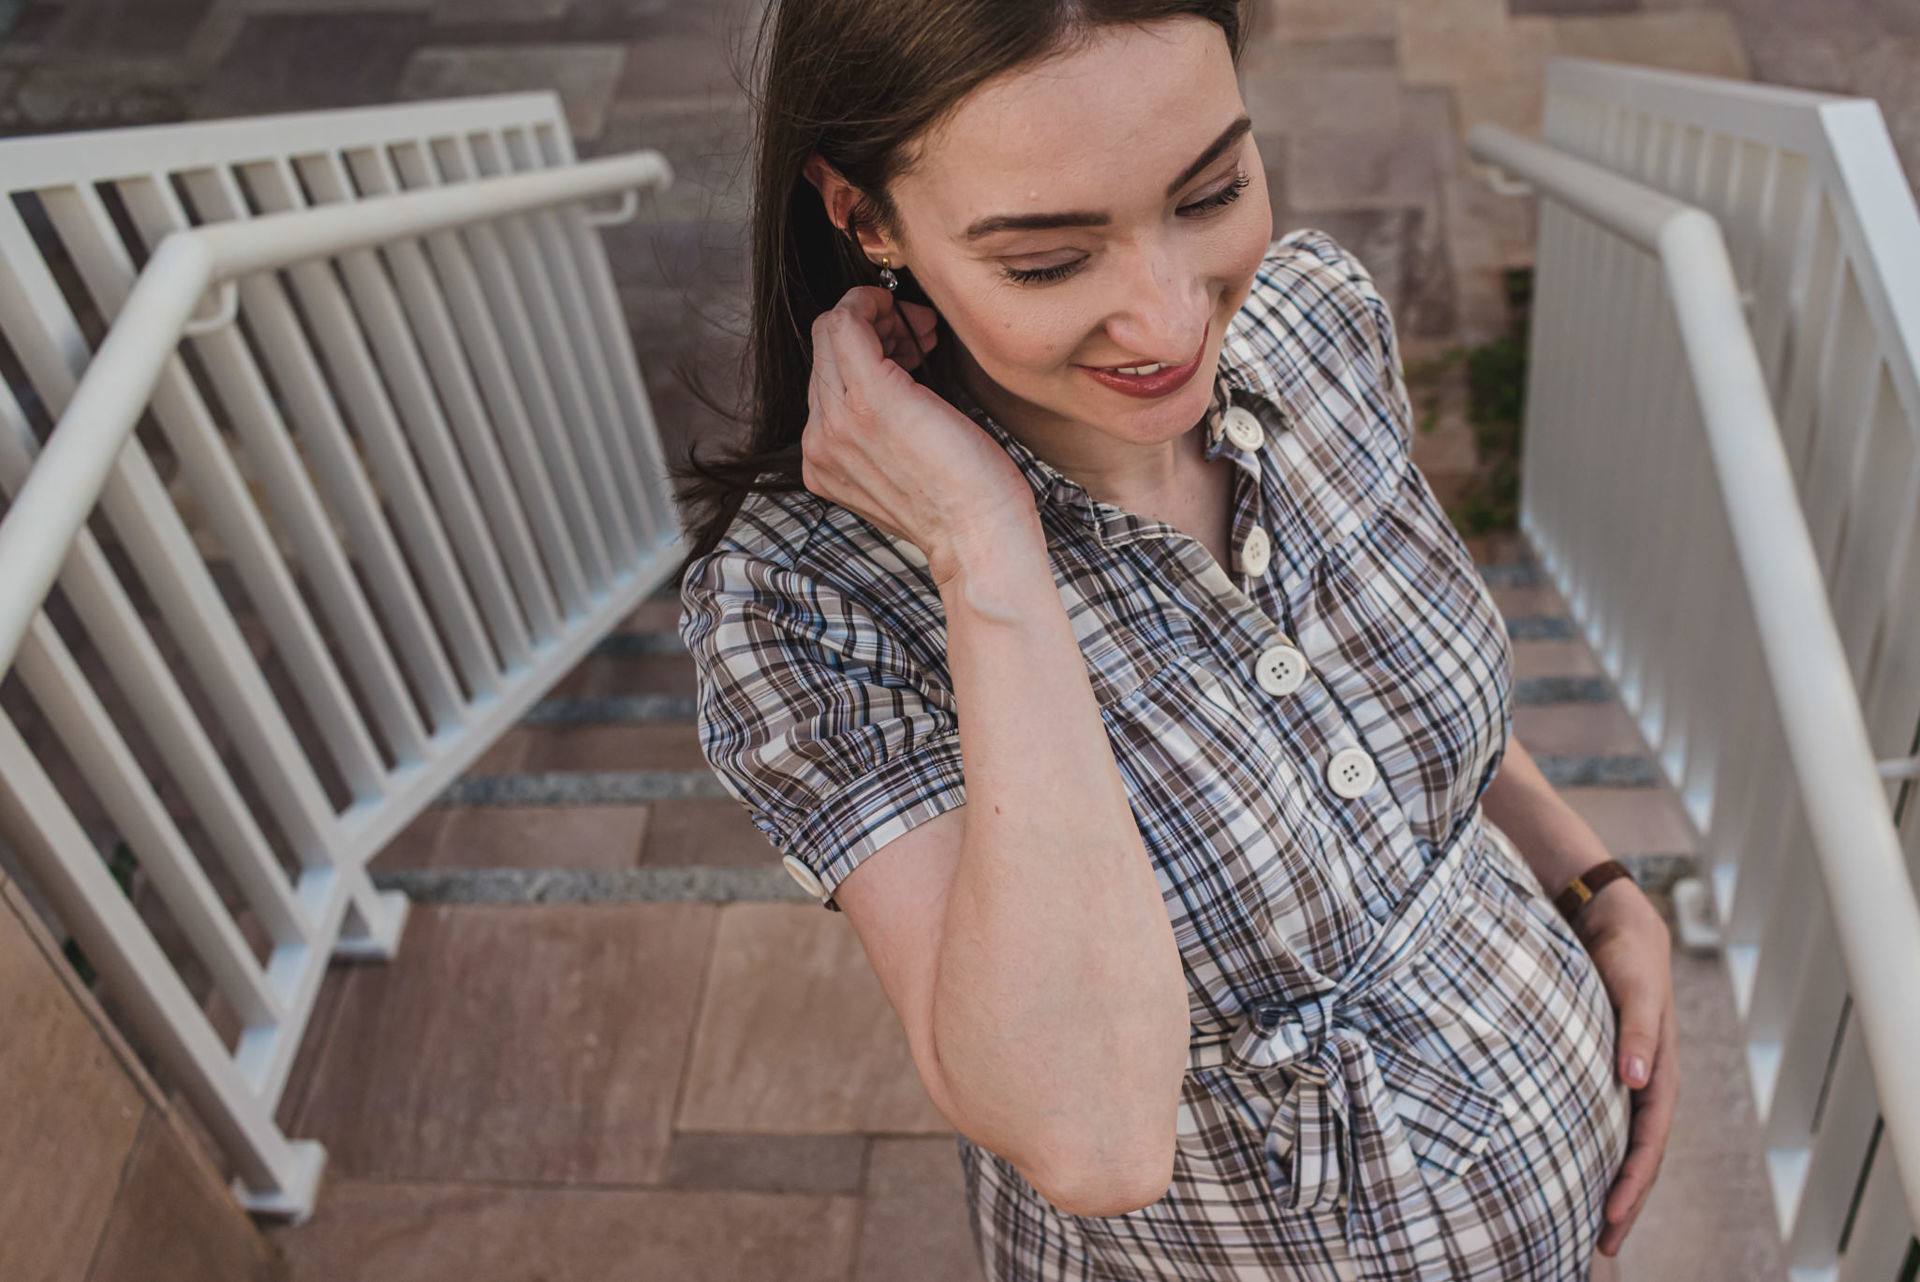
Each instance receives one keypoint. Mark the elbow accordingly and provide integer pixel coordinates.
(1111, 1182)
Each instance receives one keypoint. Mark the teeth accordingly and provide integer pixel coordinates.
(1141, 370)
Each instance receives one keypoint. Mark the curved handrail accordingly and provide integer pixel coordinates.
(1855, 844)
(72, 469)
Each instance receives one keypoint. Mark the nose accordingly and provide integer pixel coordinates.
(1163, 308)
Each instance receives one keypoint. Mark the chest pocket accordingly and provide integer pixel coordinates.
(1128, 627)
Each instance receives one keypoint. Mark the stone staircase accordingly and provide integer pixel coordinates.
(619, 1042)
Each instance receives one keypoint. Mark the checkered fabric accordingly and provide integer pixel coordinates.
(1401, 1058)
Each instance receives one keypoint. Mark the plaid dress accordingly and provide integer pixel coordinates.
(1400, 1057)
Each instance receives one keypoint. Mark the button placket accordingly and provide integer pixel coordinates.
(1256, 552)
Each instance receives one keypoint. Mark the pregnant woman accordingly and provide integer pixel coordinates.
(1075, 621)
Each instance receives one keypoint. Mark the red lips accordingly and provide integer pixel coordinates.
(1151, 386)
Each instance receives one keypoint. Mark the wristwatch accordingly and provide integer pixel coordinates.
(1584, 887)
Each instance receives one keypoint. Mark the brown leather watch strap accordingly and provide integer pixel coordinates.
(1584, 887)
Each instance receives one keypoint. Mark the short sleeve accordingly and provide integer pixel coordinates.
(1362, 313)
(813, 714)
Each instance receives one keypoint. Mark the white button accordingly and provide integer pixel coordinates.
(1280, 669)
(1255, 552)
(1351, 773)
(1244, 429)
(804, 875)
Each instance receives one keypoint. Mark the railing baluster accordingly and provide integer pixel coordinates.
(434, 326)
(84, 726)
(387, 334)
(46, 835)
(87, 231)
(122, 640)
(155, 211)
(1809, 602)
(557, 247)
(336, 463)
(336, 329)
(408, 168)
(609, 325)
(454, 164)
(507, 531)
(484, 156)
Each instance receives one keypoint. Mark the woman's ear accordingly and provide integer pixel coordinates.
(839, 196)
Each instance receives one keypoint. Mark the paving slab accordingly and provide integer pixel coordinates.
(374, 1232)
(915, 1224)
(176, 1221)
(822, 1164)
(709, 832)
(536, 1044)
(584, 74)
(1710, 1214)
(519, 837)
(305, 60)
(655, 746)
(61, 1160)
(1578, 728)
(1554, 659)
(796, 1035)
(1634, 821)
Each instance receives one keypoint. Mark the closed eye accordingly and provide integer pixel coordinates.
(1198, 209)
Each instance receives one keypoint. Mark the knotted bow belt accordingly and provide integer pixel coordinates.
(1336, 1119)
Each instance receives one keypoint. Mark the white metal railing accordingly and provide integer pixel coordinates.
(401, 475)
(1722, 476)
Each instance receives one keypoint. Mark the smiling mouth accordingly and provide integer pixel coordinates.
(1147, 371)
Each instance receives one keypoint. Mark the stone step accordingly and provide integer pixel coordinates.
(707, 884)
(670, 705)
(527, 827)
(767, 882)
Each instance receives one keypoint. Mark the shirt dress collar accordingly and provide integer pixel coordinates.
(1237, 381)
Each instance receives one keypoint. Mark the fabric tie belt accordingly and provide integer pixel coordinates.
(1336, 1118)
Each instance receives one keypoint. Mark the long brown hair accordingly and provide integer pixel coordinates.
(857, 81)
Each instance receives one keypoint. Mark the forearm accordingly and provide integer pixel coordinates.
(1059, 1011)
(1550, 834)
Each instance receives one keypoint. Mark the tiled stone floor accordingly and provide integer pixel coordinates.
(617, 1043)
(1362, 109)
(594, 1079)
(1362, 105)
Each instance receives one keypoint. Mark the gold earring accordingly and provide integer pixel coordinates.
(887, 277)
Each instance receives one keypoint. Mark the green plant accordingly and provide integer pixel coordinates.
(122, 865)
(1496, 379)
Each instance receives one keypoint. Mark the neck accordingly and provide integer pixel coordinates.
(1135, 476)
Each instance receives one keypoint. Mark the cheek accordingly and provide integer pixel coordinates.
(1009, 335)
(1252, 236)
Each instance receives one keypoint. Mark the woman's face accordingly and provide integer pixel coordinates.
(1104, 209)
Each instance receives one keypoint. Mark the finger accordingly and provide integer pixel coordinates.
(868, 303)
(826, 358)
(898, 341)
(1615, 1227)
(1652, 1123)
(855, 331)
(1643, 1001)
(925, 321)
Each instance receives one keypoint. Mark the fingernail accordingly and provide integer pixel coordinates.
(1636, 1070)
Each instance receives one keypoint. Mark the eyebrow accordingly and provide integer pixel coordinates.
(1086, 218)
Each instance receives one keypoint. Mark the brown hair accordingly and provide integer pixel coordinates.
(857, 81)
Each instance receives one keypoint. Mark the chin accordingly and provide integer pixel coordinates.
(1153, 422)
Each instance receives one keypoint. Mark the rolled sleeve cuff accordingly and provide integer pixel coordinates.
(879, 806)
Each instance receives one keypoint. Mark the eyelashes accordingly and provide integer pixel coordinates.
(1198, 209)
